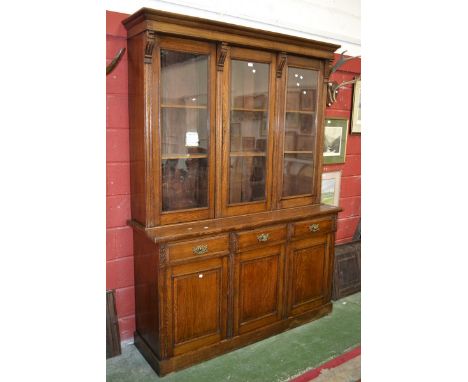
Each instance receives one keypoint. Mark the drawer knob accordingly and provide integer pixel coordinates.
(263, 237)
(314, 228)
(200, 249)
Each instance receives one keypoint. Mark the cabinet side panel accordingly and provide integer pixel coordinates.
(137, 126)
(146, 259)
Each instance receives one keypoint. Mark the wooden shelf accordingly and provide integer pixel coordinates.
(252, 110)
(247, 154)
(184, 156)
(300, 112)
(298, 152)
(183, 106)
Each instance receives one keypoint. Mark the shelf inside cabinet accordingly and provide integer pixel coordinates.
(247, 109)
(247, 154)
(300, 111)
(183, 156)
(175, 106)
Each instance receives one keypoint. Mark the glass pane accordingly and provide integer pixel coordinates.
(247, 179)
(248, 130)
(184, 130)
(184, 78)
(300, 131)
(302, 90)
(298, 173)
(184, 183)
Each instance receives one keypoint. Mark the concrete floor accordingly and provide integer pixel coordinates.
(276, 359)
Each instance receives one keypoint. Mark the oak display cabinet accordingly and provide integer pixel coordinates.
(231, 243)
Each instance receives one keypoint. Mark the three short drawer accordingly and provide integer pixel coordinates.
(263, 236)
(247, 239)
(311, 227)
(199, 247)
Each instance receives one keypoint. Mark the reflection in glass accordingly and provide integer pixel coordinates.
(300, 131)
(181, 126)
(247, 179)
(248, 130)
(184, 79)
(298, 173)
(184, 183)
(184, 130)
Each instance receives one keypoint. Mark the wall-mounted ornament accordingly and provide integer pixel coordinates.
(115, 61)
(333, 86)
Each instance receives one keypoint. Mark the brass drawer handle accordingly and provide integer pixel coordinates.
(263, 237)
(200, 249)
(314, 228)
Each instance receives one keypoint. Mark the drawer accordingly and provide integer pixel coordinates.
(312, 227)
(263, 236)
(198, 247)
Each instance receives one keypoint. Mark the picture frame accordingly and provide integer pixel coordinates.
(331, 185)
(334, 140)
(356, 109)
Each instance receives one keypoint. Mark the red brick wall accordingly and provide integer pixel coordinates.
(119, 254)
(350, 195)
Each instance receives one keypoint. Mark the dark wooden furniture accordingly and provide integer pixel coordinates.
(112, 326)
(347, 270)
(231, 243)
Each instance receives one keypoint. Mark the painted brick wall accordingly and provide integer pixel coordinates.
(119, 239)
(350, 195)
(119, 254)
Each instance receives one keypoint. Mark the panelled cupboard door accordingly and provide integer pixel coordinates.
(300, 125)
(308, 274)
(197, 304)
(258, 283)
(185, 98)
(248, 131)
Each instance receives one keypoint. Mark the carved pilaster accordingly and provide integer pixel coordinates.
(232, 252)
(327, 71)
(165, 339)
(151, 39)
(163, 255)
(222, 51)
(282, 58)
(334, 223)
(289, 232)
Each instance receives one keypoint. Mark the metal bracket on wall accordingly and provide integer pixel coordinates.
(115, 61)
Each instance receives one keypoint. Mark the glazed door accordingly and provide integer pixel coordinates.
(186, 130)
(248, 120)
(197, 302)
(300, 120)
(258, 282)
(309, 274)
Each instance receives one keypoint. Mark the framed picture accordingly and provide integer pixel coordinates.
(331, 184)
(334, 140)
(356, 114)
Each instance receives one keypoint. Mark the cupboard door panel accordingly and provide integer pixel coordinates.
(198, 294)
(185, 153)
(196, 303)
(248, 120)
(309, 264)
(300, 117)
(258, 301)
